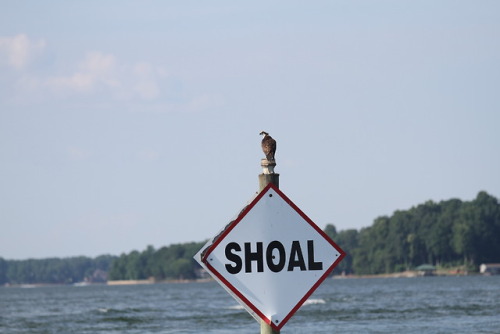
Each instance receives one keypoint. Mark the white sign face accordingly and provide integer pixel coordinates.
(271, 258)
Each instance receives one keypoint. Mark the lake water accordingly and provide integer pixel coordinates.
(379, 305)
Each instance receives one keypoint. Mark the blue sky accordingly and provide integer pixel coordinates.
(132, 123)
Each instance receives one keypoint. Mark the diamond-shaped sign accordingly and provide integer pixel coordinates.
(271, 258)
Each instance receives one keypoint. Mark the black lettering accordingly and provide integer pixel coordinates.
(296, 252)
(257, 256)
(281, 256)
(231, 256)
(310, 257)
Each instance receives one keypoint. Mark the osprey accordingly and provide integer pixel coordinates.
(268, 146)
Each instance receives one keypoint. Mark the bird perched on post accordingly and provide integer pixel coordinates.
(268, 146)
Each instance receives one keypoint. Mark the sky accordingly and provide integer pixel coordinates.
(125, 124)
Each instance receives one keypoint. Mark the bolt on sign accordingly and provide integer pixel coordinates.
(271, 257)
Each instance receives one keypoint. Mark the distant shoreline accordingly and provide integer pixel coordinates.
(412, 273)
(405, 274)
(153, 281)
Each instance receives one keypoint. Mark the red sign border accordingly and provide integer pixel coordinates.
(233, 224)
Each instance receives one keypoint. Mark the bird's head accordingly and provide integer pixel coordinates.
(263, 133)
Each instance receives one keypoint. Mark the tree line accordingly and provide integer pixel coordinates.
(55, 270)
(170, 262)
(448, 233)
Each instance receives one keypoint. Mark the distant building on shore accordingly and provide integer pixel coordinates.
(490, 269)
(426, 270)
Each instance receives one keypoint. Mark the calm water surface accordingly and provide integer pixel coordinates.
(392, 305)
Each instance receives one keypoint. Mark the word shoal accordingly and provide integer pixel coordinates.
(275, 256)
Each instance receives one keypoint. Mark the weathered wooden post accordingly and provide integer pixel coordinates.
(268, 176)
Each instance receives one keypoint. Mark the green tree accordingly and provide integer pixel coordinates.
(183, 269)
(348, 241)
(118, 269)
(3, 271)
(463, 234)
(331, 231)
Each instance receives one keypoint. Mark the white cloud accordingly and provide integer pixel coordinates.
(148, 77)
(100, 72)
(95, 71)
(99, 75)
(19, 50)
(147, 89)
(98, 63)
